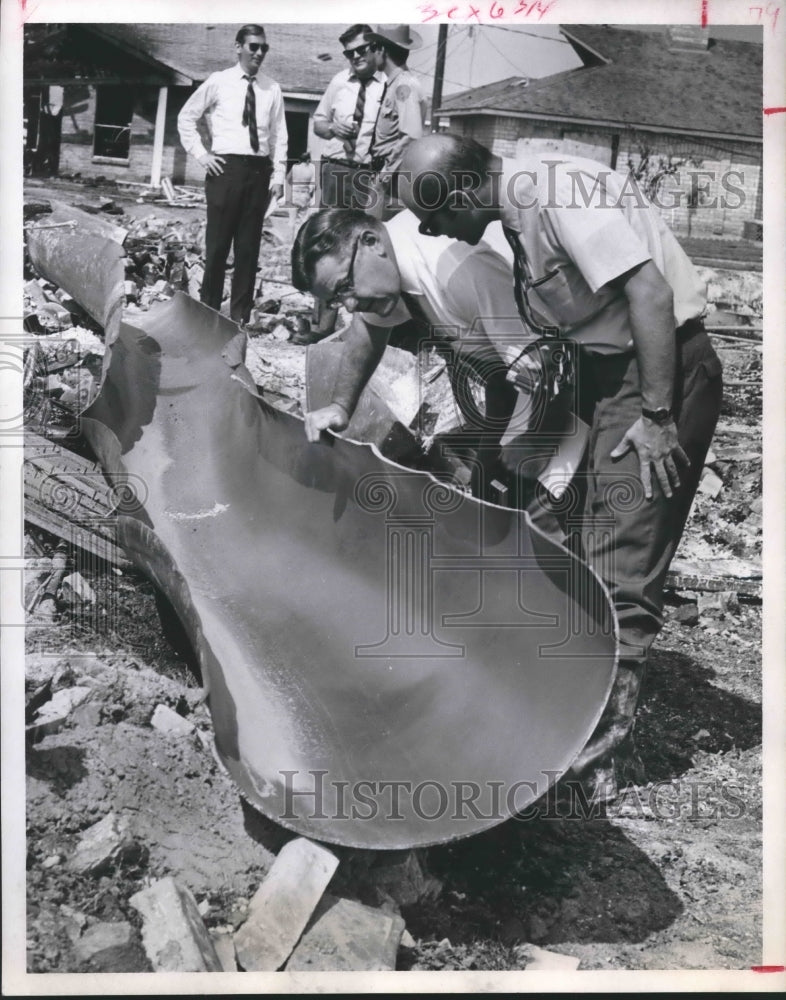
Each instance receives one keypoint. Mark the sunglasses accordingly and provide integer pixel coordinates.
(346, 287)
(359, 52)
(262, 47)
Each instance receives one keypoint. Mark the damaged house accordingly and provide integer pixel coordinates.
(103, 99)
(678, 107)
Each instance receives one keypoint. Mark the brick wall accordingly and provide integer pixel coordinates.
(712, 193)
(78, 122)
(716, 189)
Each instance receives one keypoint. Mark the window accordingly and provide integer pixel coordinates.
(114, 108)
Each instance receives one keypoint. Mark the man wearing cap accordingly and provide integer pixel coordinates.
(402, 112)
(244, 111)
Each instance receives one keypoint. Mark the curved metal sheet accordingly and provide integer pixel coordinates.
(87, 262)
(389, 662)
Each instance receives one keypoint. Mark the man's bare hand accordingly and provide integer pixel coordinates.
(276, 191)
(213, 164)
(657, 446)
(333, 417)
(342, 131)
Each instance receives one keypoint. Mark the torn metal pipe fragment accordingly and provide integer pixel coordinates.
(88, 262)
(388, 662)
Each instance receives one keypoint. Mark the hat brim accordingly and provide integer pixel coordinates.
(415, 43)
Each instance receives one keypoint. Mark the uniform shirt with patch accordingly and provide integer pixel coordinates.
(401, 117)
(465, 292)
(582, 225)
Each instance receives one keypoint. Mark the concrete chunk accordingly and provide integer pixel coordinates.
(687, 614)
(102, 845)
(718, 600)
(51, 717)
(103, 943)
(174, 937)
(541, 960)
(347, 936)
(167, 721)
(710, 484)
(283, 904)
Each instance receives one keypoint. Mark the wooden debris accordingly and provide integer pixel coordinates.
(174, 937)
(68, 496)
(283, 904)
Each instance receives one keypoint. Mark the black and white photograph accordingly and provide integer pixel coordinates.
(392, 583)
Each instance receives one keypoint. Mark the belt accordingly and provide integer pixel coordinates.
(246, 157)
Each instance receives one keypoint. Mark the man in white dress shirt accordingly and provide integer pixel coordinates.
(244, 111)
(346, 118)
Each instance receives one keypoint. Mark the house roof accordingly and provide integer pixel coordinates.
(194, 51)
(647, 83)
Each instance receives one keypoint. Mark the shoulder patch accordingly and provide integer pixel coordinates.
(403, 92)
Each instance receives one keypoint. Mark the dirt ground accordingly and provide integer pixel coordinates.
(666, 877)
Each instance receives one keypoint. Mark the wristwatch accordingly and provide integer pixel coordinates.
(660, 416)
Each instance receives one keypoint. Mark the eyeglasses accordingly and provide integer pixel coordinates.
(359, 52)
(346, 287)
(262, 47)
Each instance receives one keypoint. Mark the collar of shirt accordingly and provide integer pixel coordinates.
(379, 76)
(515, 173)
(395, 72)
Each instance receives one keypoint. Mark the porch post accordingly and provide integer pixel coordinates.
(158, 138)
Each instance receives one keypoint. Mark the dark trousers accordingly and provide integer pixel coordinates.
(236, 203)
(628, 540)
(342, 185)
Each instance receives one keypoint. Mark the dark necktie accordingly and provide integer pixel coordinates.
(357, 117)
(371, 152)
(520, 283)
(557, 356)
(250, 113)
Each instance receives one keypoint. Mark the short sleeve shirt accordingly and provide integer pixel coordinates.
(582, 225)
(338, 103)
(464, 292)
(401, 116)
